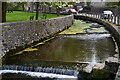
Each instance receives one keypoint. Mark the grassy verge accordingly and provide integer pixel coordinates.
(25, 16)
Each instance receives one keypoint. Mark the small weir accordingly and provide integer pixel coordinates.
(66, 56)
(15, 68)
(40, 69)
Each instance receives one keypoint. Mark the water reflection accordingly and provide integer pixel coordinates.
(70, 48)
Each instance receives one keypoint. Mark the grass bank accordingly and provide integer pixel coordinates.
(25, 16)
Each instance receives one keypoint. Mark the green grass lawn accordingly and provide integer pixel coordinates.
(25, 16)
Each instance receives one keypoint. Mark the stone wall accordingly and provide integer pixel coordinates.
(114, 30)
(16, 34)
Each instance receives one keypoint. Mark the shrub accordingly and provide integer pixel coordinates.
(114, 6)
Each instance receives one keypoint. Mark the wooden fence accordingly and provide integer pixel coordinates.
(111, 18)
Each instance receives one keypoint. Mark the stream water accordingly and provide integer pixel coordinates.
(64, 57)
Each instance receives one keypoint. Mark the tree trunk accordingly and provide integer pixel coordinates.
(3, 11)
(37, 11)
(49, 10)
(23, 7)
(44, 8)
(58, 11)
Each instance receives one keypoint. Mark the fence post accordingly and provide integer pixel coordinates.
(118, 20)
(96, 15)
(83, 14)
(93, 15)
(86, 14)
(90, 15)
(111, 17)
(99, 16)
(114, 19)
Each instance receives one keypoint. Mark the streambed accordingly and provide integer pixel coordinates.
(66, 55)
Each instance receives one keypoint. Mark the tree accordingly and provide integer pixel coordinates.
(22, 5)
(16, 6)
(56, 5)
(49, 5)
(9, 6)
(59, 6)
(3, 11)
(113, 4)
(37, 10)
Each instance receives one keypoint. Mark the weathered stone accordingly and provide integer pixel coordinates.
(15, 34)
(112, 60)
(99, 66)
(89, 68)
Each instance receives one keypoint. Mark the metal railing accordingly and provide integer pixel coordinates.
(110, 18)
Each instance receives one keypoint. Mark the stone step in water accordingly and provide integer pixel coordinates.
(86, 36)
(40, 69)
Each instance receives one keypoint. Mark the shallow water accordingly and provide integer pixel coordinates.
(81, 26)
(68, 52)
(70, 48)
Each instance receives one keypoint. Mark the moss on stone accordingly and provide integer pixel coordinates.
(33, 49)
(77, 27)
